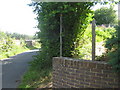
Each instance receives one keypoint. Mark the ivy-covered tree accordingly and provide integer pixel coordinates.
(105, 15)
(75, 16)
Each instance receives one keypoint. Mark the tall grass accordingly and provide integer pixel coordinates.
(36, 78)
(13, 52)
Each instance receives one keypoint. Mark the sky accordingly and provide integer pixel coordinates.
(17, 16)
(107, 5)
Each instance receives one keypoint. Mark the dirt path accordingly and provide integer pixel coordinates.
(14, 67)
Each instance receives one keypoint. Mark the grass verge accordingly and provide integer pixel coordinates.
(15, 51)
(36, 78)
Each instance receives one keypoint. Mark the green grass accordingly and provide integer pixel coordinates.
(32, 47)
(36, 45)
(36, 79)
(16, 50)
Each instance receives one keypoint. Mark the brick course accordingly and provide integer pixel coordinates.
(74, 73)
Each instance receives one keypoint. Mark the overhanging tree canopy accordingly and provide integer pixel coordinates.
(76, 17)
(105, 15)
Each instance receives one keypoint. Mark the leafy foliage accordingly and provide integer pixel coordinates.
(8, 47)
(102, 34)
(113, 45)
(75, 16)
(5, 42)
(19, 36)
(105, 15)
(2, 35)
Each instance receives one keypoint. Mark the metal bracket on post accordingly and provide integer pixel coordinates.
(93, 40)
(60, 35)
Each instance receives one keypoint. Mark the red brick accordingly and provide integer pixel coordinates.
(88, 74)
(92, 65)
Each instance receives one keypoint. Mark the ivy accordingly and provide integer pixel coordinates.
(75, 16)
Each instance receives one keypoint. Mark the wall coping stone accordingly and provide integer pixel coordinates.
(80, 60)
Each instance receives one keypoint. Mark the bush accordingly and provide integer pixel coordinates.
(8, 47)
(85, 46)
(105, 15)
(113, 46)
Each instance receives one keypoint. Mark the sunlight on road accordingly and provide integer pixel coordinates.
(35, 50)
(6, 62)
(5, 59)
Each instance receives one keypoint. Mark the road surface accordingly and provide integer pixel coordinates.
(14, 67)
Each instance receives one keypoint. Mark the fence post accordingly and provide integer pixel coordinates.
(119, 13)
(93, 40)
(60, 35)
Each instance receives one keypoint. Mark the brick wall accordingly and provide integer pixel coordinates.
(73, 73)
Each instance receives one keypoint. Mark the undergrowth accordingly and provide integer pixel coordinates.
(15, 51)
(36, 78)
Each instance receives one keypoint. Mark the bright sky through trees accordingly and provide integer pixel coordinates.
(17, 16)
(98, 6)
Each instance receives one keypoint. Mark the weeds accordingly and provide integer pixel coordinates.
(35, 78)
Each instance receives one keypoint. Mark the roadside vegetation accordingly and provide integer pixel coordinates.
(8, 46)
(40, 77)
(102, 34)
(113, 50)
(106, 16)
(76, 37)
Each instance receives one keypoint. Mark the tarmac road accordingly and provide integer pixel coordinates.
(14, 68)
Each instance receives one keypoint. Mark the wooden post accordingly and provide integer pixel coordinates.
(60, 35)
(119, 13)
(93, 40)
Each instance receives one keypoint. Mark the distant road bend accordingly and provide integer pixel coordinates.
(14, 67)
